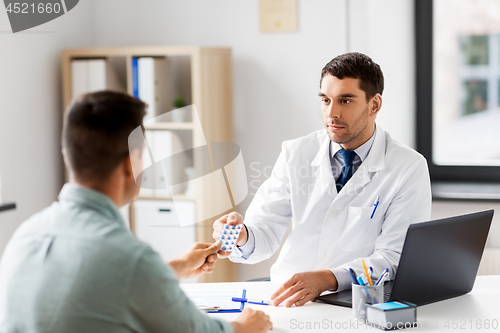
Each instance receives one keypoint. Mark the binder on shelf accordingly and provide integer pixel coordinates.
(135, 77)
(89, 75)
(171, 163)
(78, 77)
(152, 83)
(168, 165)
(147, 187)
(96, 75)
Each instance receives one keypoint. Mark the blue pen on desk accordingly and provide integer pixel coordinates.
(250, 301)
(375, 204)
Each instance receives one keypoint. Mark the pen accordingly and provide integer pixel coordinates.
(375, 204)
(371, 272)
(250, 301)
(382, 278)
(366, 272)
(209, 308)
(353, 276)
(360, 281)
(386, 271)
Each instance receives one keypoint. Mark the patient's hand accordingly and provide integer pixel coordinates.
(252, 321)
(200, 258)
(304, 287)
(231, 219)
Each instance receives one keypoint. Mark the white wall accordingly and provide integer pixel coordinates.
(384, 29)
(31, 109)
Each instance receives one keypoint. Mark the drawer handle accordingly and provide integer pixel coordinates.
(164, 210)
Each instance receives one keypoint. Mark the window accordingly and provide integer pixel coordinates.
(458, 88)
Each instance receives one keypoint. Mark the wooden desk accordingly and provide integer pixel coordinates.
(473, 312)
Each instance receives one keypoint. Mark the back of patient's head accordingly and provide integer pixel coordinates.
(95, 133)
(357, 66)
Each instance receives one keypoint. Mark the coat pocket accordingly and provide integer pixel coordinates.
(359, 231)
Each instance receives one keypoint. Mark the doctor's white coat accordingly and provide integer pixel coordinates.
(335, 230)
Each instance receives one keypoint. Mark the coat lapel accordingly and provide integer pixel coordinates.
(325, 183)
(374, 162)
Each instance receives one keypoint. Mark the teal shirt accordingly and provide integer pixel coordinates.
(75, 267)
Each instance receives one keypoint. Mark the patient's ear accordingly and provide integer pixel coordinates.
(133, 164)
(127, 168)
(65, 157)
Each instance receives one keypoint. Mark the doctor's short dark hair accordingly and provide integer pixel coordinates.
(96, 130)
(357, 66)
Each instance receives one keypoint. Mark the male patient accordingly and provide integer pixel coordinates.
(349, 190)
(75, 267)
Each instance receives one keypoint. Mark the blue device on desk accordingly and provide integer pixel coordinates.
(250, 301)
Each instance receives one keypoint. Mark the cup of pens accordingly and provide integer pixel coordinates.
(364, 295)
(366, 292)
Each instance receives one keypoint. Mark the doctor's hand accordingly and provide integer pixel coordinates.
(200, 258)
(231, 219)
(304, 287)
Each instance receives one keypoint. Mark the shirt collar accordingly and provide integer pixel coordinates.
(85, 196)
(362, 151)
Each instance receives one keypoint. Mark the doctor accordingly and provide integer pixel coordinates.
(349, 190)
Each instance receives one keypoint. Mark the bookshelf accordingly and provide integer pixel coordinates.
(204, 75)
(170, 126)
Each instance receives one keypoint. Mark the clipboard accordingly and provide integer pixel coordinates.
(217, 301)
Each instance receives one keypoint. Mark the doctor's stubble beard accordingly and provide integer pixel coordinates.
(359, 126)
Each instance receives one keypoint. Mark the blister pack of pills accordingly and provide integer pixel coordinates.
(228, 236)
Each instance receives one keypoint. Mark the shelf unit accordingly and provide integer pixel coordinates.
(170, 126)
(210, 77)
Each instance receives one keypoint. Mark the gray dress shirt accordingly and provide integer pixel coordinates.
(75, 267)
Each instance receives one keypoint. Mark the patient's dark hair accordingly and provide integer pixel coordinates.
(357, 66)
(96, 130)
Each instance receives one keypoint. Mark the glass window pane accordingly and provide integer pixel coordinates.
(475, 50)
(476, 96)
(466, 72)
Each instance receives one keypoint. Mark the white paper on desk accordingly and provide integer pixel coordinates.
(327, 292)
(213, 298)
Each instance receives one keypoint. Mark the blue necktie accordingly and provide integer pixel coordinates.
(347, 170)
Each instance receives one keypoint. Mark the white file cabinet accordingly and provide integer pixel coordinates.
(157, 223)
